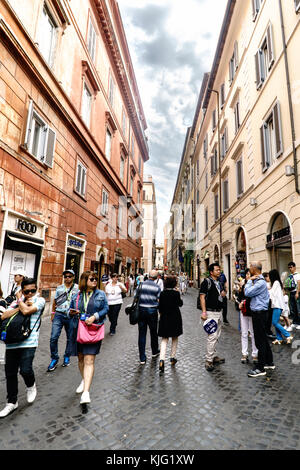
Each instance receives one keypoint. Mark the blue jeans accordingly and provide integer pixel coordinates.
(15, 359)
(148, 317)
(280, 331)
(60, 320)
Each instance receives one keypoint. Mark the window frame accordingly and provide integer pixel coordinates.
(104, 202)
(81, 192)
(54, 39)
(240, 189)
(87, 88)
(108, 131)
(93, 50)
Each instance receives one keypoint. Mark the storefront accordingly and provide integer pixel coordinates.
(22, 242)
(279, 243)
(74, 258)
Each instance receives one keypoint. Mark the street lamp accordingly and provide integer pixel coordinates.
(220, 178)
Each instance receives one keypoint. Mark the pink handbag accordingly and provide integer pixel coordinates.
(89, 334)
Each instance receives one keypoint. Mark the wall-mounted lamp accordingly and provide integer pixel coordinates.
(253, 201)
(289, 170)
(237, 221)
(80, 234)
(231, 220)
(33, 213)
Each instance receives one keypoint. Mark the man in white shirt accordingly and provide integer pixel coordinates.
(160, 282)
(294, 296)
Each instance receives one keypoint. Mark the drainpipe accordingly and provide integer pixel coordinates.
(288, 82)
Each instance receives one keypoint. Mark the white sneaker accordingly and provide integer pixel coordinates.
(31, 394)
(85, 398)
(9, 408)
(289, 328)
(297, 327)
(80, 388)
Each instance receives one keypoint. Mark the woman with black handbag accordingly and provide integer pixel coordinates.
(20, 355)
(90, 306)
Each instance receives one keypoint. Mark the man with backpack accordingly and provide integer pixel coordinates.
(210, 301)
(20, 355)
(292, 284)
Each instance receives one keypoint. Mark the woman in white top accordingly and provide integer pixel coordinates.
(113, 292)
(277, 304)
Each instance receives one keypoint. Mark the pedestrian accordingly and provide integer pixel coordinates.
(170, 321)
(269, 331)
(60, 318)
(182, 283)
(21, 355)
(159, 282)
(91, 305)
(292, 283)
(19, 276)
(131, 285)
(210, 301)
(256, 288)
(278, 306)
(286, 312)
(246, 323)
(113, 291)
(148, 316)
(224, 288)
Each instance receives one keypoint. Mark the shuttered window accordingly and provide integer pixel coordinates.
(205, 147)
(216, 206)
(206, 220)
(234, 63)
(104, 205)
(108, 144)
(225, 196)
(297, 5)
(222, 95)
(81, 179)
(237, 116)
(39, 139)
(271, 138)
(256, 4)
(224, 143)
(111, 90)
(92, 36)
(214, 120)
(239, 177)
(264, 58)
(47, 36)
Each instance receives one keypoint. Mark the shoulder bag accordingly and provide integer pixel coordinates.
(89, 334)
(16, 329)
(133, 310)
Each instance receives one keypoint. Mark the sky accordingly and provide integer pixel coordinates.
(172, 44)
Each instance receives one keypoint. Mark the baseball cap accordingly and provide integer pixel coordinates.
(69, 271)
(21, 272)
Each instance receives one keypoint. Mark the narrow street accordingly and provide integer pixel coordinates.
(134, 408)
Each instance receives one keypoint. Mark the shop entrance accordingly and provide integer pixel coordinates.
(279, 243)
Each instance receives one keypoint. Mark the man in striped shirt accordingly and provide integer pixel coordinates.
(21, 355)
(148, 315)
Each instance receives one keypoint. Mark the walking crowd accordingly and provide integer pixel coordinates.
(261, 299)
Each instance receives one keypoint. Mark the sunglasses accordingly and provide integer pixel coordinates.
(92, 279)
(29, 291)
(68, 276)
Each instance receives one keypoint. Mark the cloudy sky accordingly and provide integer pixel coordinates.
(172, 44)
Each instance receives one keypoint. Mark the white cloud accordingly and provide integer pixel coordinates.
(172, 45)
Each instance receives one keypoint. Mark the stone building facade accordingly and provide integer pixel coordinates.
(72, 141)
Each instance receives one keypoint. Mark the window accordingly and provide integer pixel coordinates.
(120, 216)
(234, 63)
(222, 95)
(214, 120)
(139, 196)
(197, 168)
(271, 138)
(256, 4)
(237, 116)
(132, 145)
(224, 143)
(264, 58)
(239, 177)
(216, 206)
(140, 164)
(131, 185)
(206, 220)
(297, 5)
(111, 92)
(40, 139)
(198, 197)
(225, 196)
(108, 142)
(122, 167)
(86, 105)
(47, 36)
(124, 122)
(205, 147)
(214, 162)
(206, 181)
(104, 205)
(91, 43)
(80, 186)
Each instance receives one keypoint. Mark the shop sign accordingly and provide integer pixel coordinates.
(75, 243)
(26, 227)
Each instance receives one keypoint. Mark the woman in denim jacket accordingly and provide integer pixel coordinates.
(91, 302)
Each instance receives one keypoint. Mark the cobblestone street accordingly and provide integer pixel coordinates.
(135, 408)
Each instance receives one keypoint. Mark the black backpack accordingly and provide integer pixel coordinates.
(16, 329)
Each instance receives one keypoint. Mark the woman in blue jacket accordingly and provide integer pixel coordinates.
(92, 303)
